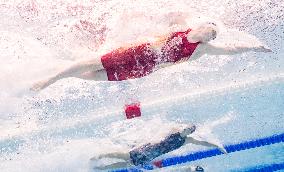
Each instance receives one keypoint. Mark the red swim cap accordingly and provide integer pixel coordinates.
(132, 110)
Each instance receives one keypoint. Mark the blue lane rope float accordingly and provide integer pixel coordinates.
(209, 153)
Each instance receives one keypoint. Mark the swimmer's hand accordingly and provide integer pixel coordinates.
(222, 149)
(262, 49)
(95, 158)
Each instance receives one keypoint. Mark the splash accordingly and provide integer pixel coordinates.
(40, 37)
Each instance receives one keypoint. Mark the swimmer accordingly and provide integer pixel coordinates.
(141, 60)
(146, 153)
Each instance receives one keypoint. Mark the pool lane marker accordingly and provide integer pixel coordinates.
(210, 153)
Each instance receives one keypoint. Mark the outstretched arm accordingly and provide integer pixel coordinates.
(205, 143)
(120, 155)
(230, 50)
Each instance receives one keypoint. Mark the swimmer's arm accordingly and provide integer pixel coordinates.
(114, 165)
(177, 18)
(120, 155)
(231, 50)
(204, 143)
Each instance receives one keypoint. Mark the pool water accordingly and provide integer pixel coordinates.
(231, 99)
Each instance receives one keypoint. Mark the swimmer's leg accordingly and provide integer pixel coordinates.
(100, 75)
(76, 70)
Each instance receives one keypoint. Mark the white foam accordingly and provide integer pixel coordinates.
(40, 37)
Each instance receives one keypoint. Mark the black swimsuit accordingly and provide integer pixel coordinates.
(148, 152)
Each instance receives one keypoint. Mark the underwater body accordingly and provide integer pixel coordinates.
(66, 124)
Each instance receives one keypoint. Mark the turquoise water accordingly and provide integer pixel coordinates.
(259, 114)
(63, 126)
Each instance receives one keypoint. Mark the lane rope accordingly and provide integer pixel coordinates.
(208, 153)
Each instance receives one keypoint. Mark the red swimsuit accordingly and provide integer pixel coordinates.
(139, 61)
